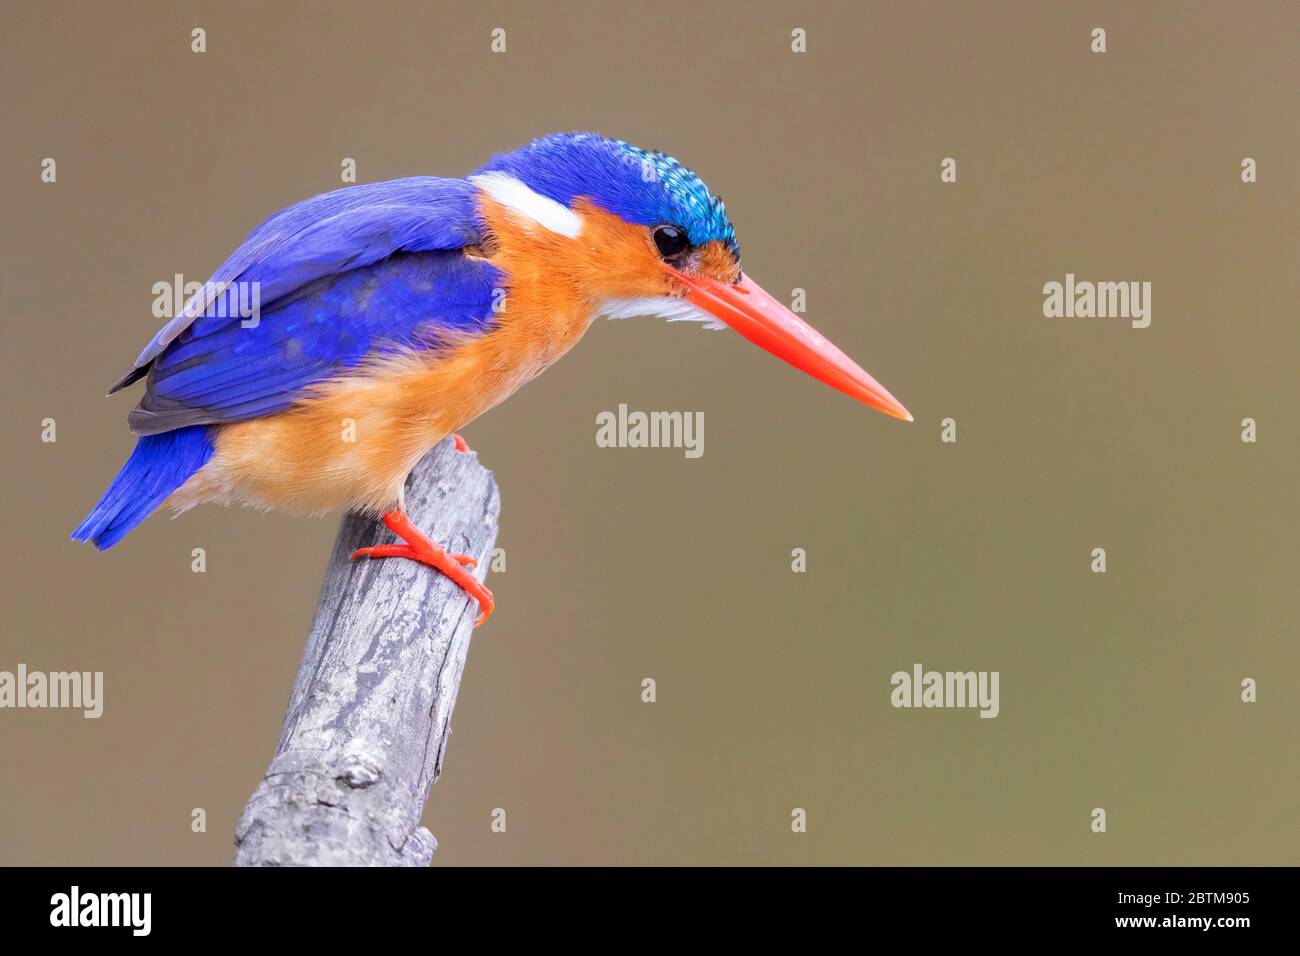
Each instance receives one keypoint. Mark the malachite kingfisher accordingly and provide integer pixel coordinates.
(409, 308)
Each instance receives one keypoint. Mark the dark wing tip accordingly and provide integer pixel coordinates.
(130, 378)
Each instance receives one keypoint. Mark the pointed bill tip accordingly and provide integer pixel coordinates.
(874, 395)
(759, 317)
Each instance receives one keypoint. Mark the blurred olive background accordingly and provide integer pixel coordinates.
(1118, 690)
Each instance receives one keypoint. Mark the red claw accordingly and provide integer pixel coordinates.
(420, 547)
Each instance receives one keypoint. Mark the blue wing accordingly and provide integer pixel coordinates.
(354, 272)
(218, 371)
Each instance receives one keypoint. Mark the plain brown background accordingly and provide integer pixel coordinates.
(1118, 690)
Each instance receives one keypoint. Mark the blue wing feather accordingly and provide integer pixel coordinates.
(325, 235)
(354, 272)
(229, 373)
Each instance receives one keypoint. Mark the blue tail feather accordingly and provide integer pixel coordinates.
(158, 466)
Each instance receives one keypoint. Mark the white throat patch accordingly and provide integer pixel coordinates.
(518, 198)
(663, 306)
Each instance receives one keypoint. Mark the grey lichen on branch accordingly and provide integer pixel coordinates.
(370, 714)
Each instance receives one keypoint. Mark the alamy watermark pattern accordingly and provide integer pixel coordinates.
(634, 429)
(76, 690)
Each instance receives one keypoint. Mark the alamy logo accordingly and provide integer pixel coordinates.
(651, 430)
(219, 300)
(75, 908)
(72, 689)
(922, 688)
(1100, 300)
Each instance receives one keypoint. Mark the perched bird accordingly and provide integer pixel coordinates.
(411, 307)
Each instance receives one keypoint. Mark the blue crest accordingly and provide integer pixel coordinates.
(640, 186)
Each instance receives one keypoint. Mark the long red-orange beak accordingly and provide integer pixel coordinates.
(767, 323)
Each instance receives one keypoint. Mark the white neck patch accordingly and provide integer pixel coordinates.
(518, 198)
(662, 306)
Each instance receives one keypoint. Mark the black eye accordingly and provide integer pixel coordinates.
(671, 241)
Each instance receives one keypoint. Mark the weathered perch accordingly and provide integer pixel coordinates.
(370, 714)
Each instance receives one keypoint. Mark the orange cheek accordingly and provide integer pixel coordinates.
(616, 259)
(610, 259)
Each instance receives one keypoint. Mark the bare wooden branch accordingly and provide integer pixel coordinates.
(370, 714)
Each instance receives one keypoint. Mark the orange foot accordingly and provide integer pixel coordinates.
(420, 547)
(461, 444)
